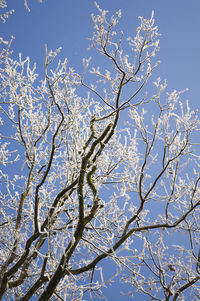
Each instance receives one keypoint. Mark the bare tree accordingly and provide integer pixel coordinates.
(94, 168)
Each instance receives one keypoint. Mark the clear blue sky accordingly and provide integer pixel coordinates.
(68, 24)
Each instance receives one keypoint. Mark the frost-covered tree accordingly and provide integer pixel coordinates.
(93, 168)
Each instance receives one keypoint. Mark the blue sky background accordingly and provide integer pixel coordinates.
(68, 24)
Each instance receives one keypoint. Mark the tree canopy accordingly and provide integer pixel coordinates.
(94, 168)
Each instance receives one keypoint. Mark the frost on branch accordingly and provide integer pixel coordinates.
(144, 46)
(5, 15)
(3, 4)
(99, 171)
